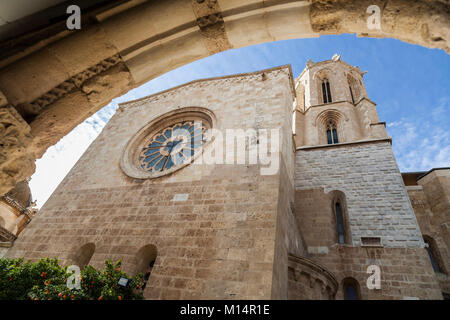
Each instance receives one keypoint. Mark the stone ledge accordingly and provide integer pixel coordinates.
(8, 244)
(7, 235)
(414, 188)
(306, 148)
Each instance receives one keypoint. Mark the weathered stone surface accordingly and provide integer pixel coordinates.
(405, 272)
(16, 211)
(227, 231)
(210, 21)
(424, 22)
(59, 118)
(430, 198)
(16, 156)
(378, 204)
(308, 281)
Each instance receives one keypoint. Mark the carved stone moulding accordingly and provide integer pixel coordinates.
(73, 83)
(320, 282)
(16, 157)
(6, 236)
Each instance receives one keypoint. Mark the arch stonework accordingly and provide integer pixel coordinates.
(321, 123)
(83, 255)
(49, 87)
(309, 280)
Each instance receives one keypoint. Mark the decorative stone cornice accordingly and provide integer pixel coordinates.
(209, 20)
(211, 24)
(5, 235)
(6, 244)
(325, 104)
(30, 212)
(16, 158)
(71, 84)
(364, 99)
(381, 123)
(337, 145)
(13, 203)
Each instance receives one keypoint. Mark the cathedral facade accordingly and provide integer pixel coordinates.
(253, 186)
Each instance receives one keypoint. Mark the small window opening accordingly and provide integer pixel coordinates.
(326, 91)
(332, 136)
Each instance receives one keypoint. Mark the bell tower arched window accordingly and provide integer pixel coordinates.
(332, 136)
(326, 91)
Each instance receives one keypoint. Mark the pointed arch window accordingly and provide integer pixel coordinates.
(351, 289)
(83, 255)
(326, 91)
(332, 136)
(340, 227)
(145, 261)
(339, 223)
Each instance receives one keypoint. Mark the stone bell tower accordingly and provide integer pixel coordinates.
(351, 205)
(332, 98)
(343, 147)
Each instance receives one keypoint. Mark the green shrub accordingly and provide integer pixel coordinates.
(47, 280)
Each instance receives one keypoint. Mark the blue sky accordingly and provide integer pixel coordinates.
(410, 85)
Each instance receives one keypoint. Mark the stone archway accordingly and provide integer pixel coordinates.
(49, 87)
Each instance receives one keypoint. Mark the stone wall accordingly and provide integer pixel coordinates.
(367, 173)
(219, 243)
(406, 273)
(289, 239)
(315, 217)
(376, 205)
(3, 249)
(430, 198)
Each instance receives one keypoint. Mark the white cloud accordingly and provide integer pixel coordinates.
(394, 124)
(420, 146)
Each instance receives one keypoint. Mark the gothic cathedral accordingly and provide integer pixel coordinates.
(253, 186)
